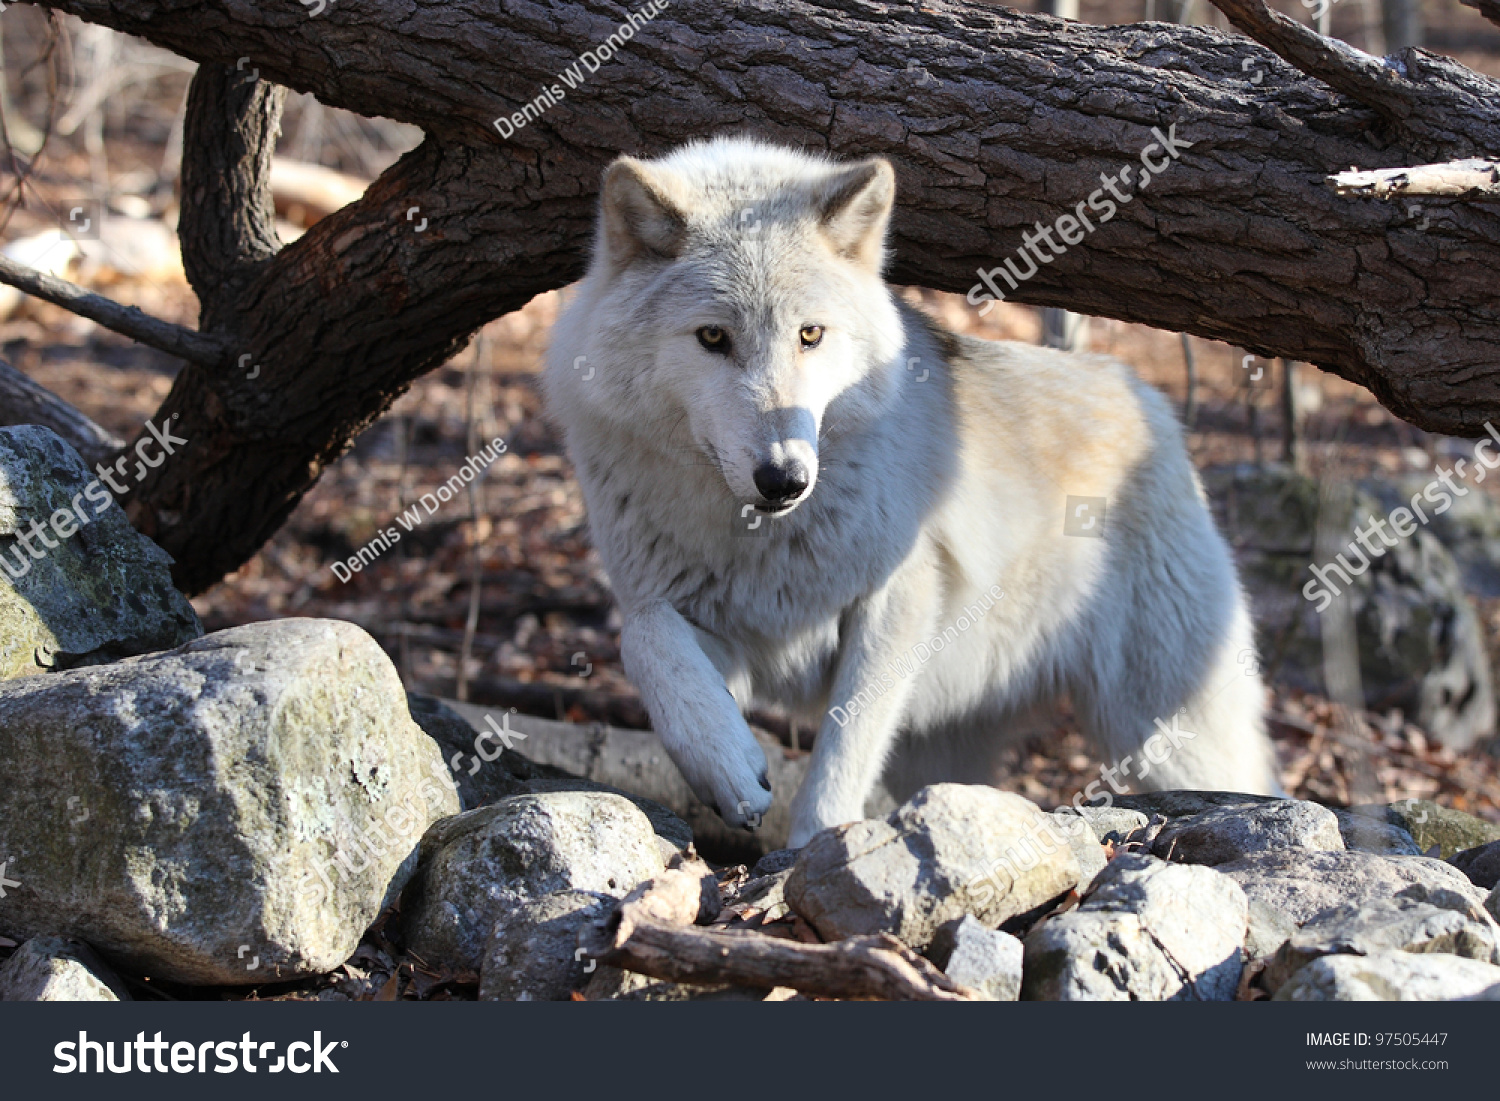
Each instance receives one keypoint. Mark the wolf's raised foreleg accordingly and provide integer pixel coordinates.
(872, 684)
(694, 714)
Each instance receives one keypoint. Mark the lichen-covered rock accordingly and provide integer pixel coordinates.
(1148, 931)
(234, 811)
(1429, 824)
(1290, 887)
(987, 961)
(478, 866)
(1481, 864)
(58, 969)
(950, 850)
(1399, 924)
(1389, 977)
(1224, 834)
(533, 954)
(1419, 639)
(100, 592)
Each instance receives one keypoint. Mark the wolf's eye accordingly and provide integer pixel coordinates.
(714, 339)
(812, 335)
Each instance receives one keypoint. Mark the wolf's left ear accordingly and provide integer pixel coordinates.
(639, 214)
(855, 209)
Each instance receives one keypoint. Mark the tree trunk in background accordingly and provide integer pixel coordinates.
(994, 120)
(1401, 21)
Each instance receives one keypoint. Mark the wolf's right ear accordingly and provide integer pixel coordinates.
(855, 207)
(640, 217)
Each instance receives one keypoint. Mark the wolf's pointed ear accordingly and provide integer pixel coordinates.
(855, 208)
(639, 215)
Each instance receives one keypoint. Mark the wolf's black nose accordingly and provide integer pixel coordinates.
(781, 483)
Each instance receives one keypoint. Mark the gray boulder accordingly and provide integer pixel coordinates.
(1227, 833)
(1086, 847)
(234, 811)
(1420, 642)
(1481, 864)
(1148, 931)
(480, 865)
(99, 592)
(1182, 803)
(57, 969)
(1118, 822)
(1288, 888)
(1389, 977)
(987, 961)
(533, 954)
(1492, 904)
(486, 772)
(1363, 834)
(1399, 924)
(950, 850)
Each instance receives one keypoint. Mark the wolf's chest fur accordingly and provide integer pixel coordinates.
(753, 580)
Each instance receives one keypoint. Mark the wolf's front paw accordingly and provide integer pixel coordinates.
(738, 790)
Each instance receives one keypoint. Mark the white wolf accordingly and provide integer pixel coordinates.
(803, 490)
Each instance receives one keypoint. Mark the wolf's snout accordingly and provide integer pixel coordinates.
(780, 483)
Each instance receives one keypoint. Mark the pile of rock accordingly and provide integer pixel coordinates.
(251, 807)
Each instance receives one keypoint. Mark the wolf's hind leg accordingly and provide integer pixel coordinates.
(1164, 732)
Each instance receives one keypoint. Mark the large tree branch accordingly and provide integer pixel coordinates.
(228, 222)
(1434, 103)
(995, 120)
(1490, 9)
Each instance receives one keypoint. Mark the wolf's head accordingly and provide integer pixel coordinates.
(735, 303)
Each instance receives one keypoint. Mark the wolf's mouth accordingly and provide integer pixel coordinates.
(776, 509)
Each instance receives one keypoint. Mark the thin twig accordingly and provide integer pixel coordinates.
(471, 441)
(188, 344)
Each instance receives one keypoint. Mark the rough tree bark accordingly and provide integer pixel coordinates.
(995, 120)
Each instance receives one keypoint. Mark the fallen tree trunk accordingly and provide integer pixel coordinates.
(25, 402)
(996, 121)
(637, 762)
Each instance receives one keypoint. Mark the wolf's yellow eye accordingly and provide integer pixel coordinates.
(713, 338)
(812, 335)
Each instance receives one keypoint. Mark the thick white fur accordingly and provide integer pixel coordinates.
(942, 466)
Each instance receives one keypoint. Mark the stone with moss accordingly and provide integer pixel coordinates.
(237, 811)
(100, 592)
